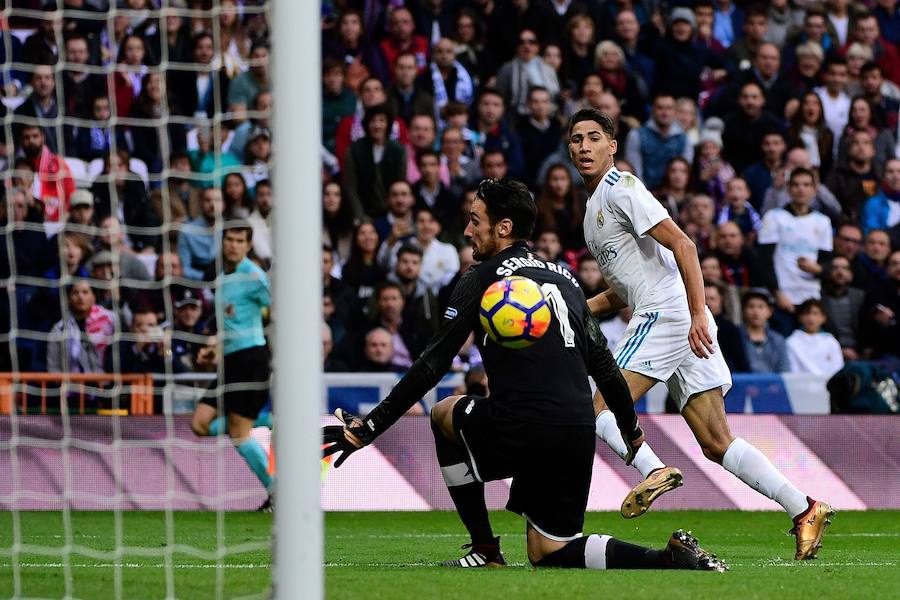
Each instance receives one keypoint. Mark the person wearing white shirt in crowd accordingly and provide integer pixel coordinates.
(810, 349)
(440, 261)
(523, 72)
(799, 240)
(835, 101)
(260, 219)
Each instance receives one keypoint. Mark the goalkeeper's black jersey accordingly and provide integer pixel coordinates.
(546, 382)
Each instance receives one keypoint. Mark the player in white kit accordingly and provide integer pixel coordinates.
(652, 266)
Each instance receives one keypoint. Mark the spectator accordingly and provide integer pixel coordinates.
(798, 240)
(727, 22)
(745, 127)
(711, 172)
(876, 250)
(704, 15)
(351, 127)
(879, 315)
(338, 101)
(41, 47)
(197, 243)
(493, 133)
(759, 174)
(422, 138)
(440, 261)
(676, 189)
(740, 264)
(465, 263)
(888, 20)
(765, 348)
(883, 95)
(581, 36)
(80, 88)
(747, 48)
(463, 171)
(259, 120)
(659, 140)
(89, 143)
(729, 335)
(81, 210)
(350, 45)
(148, 142)
(398, 222)
(848, 242)
(379, 353)
(247, 85)
(470, 48)
(610, 63)
(867, 33)
(430, 191)
(408, 342)
(404, 98)
(362, 271)
(711, 269)
(540, 132)
(810, 349)
(686, 114)
(130, 71)
(186, 324)
(627, 35)
(678, 53)
(402, 38)
(777, 196)
(857, 55)
(168, 267)
(857, 179)
(330, 361)
(560, 208)
(41, 105)
(862, 115)
(112, 239)
(372, 164)
(148, 352)
(808, 130)
(257, 156)
(699, 222)
(446, 80)
(53, 182)
(835, 101)
(420, 302)
(127, 200)
(590, 277)
(738, 209)
(784, 20)
(549, 248)
(882, 211)
(261, 221)
(198, 95)
(236, 197)
(842, 304)
(78, 341)
(523, 72)
(183, 196)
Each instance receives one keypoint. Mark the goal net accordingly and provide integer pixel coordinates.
(135, 144)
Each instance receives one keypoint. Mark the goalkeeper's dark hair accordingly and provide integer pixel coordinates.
(509, 198)
(592, 114)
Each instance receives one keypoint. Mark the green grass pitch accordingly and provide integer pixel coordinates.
(390, 555)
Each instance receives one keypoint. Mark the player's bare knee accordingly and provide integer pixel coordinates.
(442, 414)
(715, 450)
(199, 428)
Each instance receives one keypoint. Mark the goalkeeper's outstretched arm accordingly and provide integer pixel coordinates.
(457, 323)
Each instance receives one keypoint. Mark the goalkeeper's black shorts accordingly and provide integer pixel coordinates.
(249, 367)
(550, 465)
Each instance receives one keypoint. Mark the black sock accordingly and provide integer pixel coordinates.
(466, 493)
(623, 555)
(619, 555)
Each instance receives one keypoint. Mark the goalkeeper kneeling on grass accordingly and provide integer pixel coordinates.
(242, 295)
(537, 423)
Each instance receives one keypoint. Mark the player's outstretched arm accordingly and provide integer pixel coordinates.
(424, 374)
(602, 367)
(667, 233)
(605, 302)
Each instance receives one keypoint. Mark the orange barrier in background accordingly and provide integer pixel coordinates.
(140, 385)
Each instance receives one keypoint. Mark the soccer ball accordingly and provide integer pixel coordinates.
(514, 312)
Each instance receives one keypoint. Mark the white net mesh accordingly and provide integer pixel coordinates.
(118, 121)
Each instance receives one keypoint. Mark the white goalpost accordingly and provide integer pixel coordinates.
(296, 33)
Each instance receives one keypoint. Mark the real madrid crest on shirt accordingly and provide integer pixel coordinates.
(600, 218)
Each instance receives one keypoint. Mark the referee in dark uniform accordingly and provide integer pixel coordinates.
(537, 426)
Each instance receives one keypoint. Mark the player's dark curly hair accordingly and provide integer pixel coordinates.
(592, 114)
(508, 198)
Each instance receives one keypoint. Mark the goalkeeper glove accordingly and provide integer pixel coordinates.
(346, 438)
(633, 440)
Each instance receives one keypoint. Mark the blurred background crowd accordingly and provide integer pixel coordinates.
(769, 131)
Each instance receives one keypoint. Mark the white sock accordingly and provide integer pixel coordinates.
(753, 468)
(595, 551)
(645, 461)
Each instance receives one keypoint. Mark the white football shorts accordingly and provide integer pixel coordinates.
(655, 344)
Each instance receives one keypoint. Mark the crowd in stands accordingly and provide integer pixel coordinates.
(133, 139)
(768, 131)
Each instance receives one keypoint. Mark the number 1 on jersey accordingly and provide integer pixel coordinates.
(558, 304)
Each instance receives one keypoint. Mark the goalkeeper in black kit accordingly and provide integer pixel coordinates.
(537, 425)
